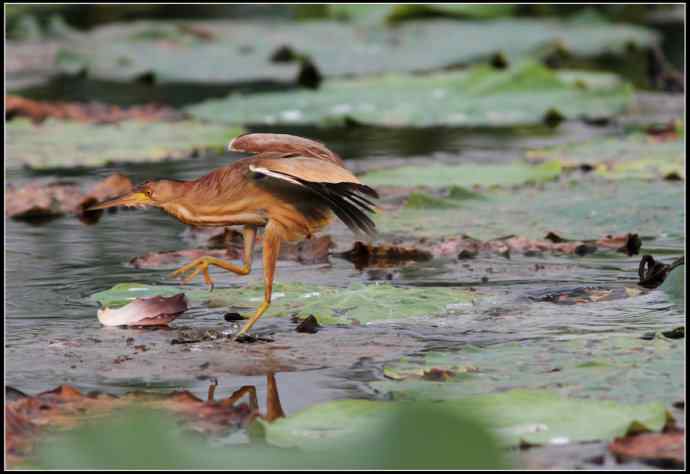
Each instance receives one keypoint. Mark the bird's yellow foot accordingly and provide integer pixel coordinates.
(248, 325)
(198, 265)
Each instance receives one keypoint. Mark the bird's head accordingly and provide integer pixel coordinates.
(149, 193)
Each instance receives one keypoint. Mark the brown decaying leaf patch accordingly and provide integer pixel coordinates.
(39, 201)
(309, 252)
(94, 112)
(466, 247)
(667, 449)
(367, 255)
(175, 257)
(583, 295)
(65, 407)
(151, 311)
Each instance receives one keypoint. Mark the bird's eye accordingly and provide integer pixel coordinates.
(148, 193)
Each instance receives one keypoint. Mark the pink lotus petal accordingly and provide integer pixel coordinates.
(151, 311)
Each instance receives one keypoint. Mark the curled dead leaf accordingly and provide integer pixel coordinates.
(653, 273)
(152, 311)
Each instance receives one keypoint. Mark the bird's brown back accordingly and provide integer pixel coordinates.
(296, 191)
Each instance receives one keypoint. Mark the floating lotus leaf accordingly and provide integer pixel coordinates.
(525, 94)
(632, 156)
(588, 366)
(580, 209)
(62, 144)
(534, 416)
(228, 51)
(466, 175)
(362, 303)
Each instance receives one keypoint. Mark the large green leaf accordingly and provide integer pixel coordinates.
(525, 94)
(466, 175)
(58, 144)
(363, 303)
(238, 51)
(534, 416)
(371, 14)
(419, 436)
(623, 368)
(632, 156)
(583, 209)
(674, 285)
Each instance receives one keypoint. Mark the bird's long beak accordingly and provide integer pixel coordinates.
(133, 199)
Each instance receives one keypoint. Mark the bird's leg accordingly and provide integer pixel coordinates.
(239, 393)
(274, 409)
(272, 238)
(201, 264)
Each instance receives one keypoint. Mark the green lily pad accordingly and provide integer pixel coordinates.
(585, 209)
(467, 175)
(362, 303)
(377, 13)
(421, 436)
(57, 144)
(632, 156)
(588, 366)
(228, 51)
(674, 285)
(480, 96)
(534, 416)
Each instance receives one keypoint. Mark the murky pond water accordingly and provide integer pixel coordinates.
(52, 268)
(53, 336)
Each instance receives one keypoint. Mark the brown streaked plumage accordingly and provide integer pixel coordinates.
(291, 188)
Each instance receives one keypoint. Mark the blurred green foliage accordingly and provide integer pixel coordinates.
(414, 436)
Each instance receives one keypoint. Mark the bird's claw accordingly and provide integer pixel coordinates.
(199, 265)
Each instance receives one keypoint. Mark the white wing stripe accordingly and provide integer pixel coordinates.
(272, 174)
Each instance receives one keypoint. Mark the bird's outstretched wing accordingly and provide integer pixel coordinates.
(344, 194)
(283, 143)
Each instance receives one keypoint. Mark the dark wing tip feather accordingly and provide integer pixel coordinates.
(348, 206)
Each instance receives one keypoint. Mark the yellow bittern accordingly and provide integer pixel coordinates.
(291, 188)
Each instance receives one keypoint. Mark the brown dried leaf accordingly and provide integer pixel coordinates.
(66, 407)
(176, 257)
(367, 255)
(667, 448)
(97, 112)
(38, 200)
(628, 243)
